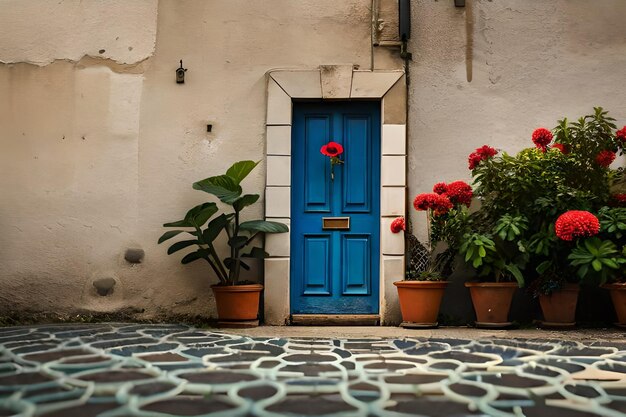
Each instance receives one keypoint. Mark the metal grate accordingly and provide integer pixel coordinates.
(418, 259)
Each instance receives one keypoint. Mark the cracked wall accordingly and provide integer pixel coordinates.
(533, 63)
(101, 146)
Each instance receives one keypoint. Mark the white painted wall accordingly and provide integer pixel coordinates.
(100, 149)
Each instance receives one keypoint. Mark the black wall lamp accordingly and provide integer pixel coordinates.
(180, 74)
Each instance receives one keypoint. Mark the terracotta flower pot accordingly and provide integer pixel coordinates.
(420, 302)
(559, 308)
(492, 302)
(237, 302)
(618, 296)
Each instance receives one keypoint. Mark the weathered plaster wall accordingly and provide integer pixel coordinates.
(40, 32)
(532, 63)
(100, 148)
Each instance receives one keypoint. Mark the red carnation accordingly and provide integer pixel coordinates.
(397, 224)
(440, 188)
(486, 151)
(605, 158)
(621, 134)
(474, 159)
(459, 192)
(541, 138)
(332, 149)
(576, 223)
(481, 154)
(440, 204)
(561, 148)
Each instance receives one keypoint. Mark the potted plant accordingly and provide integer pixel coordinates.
(422, 290)
(490, 244)
(496, 256)
(522, 196)
(236, 300)
(606, 258)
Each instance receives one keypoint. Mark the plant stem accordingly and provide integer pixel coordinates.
(237, 265)
(217, 267)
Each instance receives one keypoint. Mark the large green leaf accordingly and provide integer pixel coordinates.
(194, 256)
(222, 186)
(245, 201)
(214, 228)
(179, 223)
(240, 170)
(201, 213)
(169, 235)
(181, 245)
(514, 270)
(264, 226)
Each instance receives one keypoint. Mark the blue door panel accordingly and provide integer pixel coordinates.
(335, 271)
(356, 185)
(316, 276)
(356, 274)
(317, 190)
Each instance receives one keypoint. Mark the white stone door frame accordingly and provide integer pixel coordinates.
(334, 82)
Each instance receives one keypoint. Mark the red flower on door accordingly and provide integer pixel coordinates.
(332, 150)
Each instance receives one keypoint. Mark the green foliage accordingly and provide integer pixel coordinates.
(596, 258)
(476, 247)
(522, 195)
(240, 234)
(510, 228)
(497, 255)
(449, 227)
(613, 221)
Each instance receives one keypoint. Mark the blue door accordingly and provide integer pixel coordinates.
(335, 224)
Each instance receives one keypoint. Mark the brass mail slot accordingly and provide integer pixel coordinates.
(336, 223)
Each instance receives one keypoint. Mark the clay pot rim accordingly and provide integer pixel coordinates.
(491, 284)
(429, 284)
(614, 286)
(237, 288)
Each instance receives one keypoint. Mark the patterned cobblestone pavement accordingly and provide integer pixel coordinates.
(115, 370)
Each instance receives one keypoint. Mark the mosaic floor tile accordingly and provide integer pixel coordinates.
(137, 370)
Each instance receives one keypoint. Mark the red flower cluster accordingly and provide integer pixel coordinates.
(564, 150)
(621, 134)
(480, 154)
(576, 223)
(439, 204)
(541, 138)
(617, 200)
(332, 149)
(459, 192)
(440, 188)
(605, 158)
(397, 224)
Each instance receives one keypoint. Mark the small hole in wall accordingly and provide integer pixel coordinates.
(209, 128)
(102, 51)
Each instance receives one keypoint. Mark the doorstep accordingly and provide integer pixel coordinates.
(335, 319)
